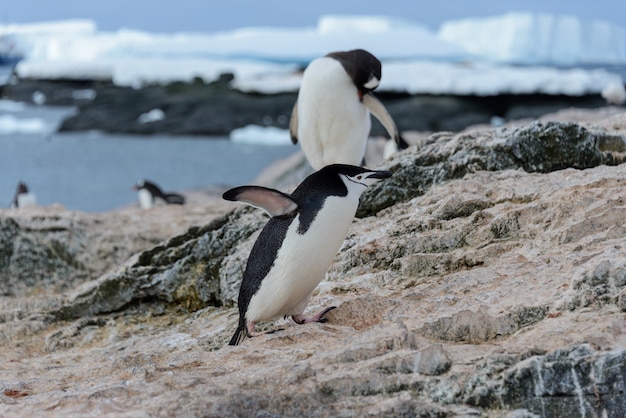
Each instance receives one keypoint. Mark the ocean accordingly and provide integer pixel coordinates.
(94, 171)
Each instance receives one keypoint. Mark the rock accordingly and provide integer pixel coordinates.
(537, 147)
(57, 250)
(216, 109)
(586, 382)
(432, 360)
(494, 292)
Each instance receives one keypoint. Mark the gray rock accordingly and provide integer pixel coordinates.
(432, 360)
(537, 147)
(200, 108)
(184, 270)
(574, 381)
(509, 285)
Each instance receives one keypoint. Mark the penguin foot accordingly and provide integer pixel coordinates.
(250, 332)
(301, 319)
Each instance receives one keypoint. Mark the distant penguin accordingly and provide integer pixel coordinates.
(23, 197)
(331, 116)
(295, 248)
(148, 193)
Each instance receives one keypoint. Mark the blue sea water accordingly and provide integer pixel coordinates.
(93, 171)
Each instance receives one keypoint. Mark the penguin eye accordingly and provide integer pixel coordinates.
(359, 177)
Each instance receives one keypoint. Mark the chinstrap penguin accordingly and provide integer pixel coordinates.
(23, 197)
(331, 116)
(148, 193)
(297, 245)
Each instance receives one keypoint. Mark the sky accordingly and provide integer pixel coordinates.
(210, 16)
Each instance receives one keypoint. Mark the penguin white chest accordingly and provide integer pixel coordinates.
(145, 199)
(302, 261)
(26, 199)
(333, 123)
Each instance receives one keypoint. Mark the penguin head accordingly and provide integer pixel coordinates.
(357, 179)
(340, 180)
(364, 69)
(22, 188)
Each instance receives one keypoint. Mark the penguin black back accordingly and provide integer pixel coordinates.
(156, 192)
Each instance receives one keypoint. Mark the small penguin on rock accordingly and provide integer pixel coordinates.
(331, 117)
(295, 248)
(148, 193)
(23, 197)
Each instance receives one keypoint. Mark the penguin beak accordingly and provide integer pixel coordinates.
(383, 174)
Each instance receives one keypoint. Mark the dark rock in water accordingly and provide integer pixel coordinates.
(189, 109)
(53, 93)
(429, 113)
(215, 109)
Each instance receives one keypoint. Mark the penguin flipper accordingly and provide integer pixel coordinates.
(378, 110)
(272, 201)
(293, 124)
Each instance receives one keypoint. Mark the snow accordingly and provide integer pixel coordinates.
(614, 94)
(10, 124)
(154, 115)
(260, 135)
(528, 38)
(512, 53)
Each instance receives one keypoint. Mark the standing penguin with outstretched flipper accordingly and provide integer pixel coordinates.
(296, 247)
(331, 116)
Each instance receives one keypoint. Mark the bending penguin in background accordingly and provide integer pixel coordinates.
(148, 193)
(331, 116)
(295, 248)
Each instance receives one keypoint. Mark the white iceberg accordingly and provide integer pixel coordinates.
(536, 38)
(512, 53)
(260, 135)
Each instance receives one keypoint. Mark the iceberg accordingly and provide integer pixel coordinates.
(260, 135)
(10, 124)
(535, 38)
(512, 53)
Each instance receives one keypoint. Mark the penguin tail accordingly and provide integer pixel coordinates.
(174, 198)
(239, 335)
(402, 144)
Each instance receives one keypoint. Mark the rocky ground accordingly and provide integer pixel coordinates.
(487, 277)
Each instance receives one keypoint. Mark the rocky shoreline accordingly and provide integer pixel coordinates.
(487, 278)
(215, 109)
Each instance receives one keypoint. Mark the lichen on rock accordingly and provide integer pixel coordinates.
(486, 278)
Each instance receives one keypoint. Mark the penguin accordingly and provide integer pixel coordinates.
(297, 245)
(331, 116)
(23, 197)
(148, 193)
